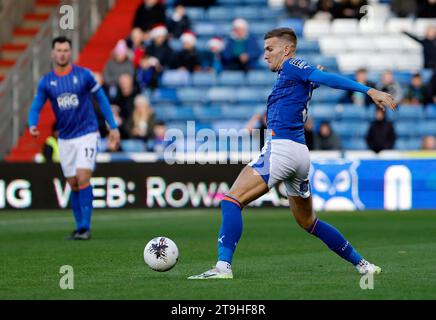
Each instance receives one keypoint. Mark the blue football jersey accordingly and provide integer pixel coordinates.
(69, 95)
(287, 103)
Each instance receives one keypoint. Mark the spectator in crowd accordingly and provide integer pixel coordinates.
(309, 134)
(119, 64)
(428, 45)
(212, 56)
(136, 44)
(326, 139)
(416, 91)
(50, 150)
(403, 8)
(141, 122)
(389, 85)
(350, 9)
(126, 95)
(158, 142)
(159, 47)
(188, 58)
(381, 133)
(428, 143)
(431, 89)
(116, 110)
(325, 10)
(147, 74)
(358, 98)
(242, 50)
(298, 8)
(426, 9)
(149, 14)
(179, 22)
(196, 3)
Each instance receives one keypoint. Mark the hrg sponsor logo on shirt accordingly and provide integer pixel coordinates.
(68, 101)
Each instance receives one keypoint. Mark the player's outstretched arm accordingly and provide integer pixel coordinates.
(381, 99)
(35, 109)
(103, 102)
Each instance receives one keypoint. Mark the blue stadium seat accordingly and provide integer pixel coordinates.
(195, 13)
(405, 112)
(354, 113)
(247, 12)
(261, 78)
(320, 112)
(329, 63)
(190, 95)
(427, 127)
(308, 46)
(175, 44)
(247, 95)
(179, 114)
(221, 94)
(430, 112)
(240, 112)
(294, 23)
(133, 145)
(208, 113)
(231, 78)
(260, 28)
(230, 2)
(164, 95)
(403, 77)
(408, 144)
(206, 29)
(324, 94)
(201, 79)
(221, 14)
(354, 144)
(354, 129)
(426, 75)
(254, 2)
(176, 78)
(406, 128)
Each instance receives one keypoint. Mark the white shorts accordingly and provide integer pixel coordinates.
(78, 153)
(284, 160)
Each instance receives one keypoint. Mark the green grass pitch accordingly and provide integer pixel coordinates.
(275, 259)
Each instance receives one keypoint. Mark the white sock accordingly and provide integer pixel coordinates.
(224, 266)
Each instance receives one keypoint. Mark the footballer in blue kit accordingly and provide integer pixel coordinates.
(285, 156)
(69, 88)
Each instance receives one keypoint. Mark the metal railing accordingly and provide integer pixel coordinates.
(18, 89)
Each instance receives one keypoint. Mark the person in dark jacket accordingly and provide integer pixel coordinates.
(159, 47)
(381, 133)
(188, 58)
(179, 22)
(326, 139)
(428, 45)
(242, 50)
(149, 14)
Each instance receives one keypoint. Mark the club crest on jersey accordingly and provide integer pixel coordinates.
(68, 101)
(75, 80)
(298, 63)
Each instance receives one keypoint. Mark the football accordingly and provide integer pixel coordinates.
(161, 254)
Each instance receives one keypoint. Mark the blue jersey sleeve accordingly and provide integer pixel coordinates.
(37, 104)
(105, 108)
(337, 81)
(91, 83)
(297, 69)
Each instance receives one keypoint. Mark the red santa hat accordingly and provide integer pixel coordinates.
(216, 42)
(188, 37)
(158, 31)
